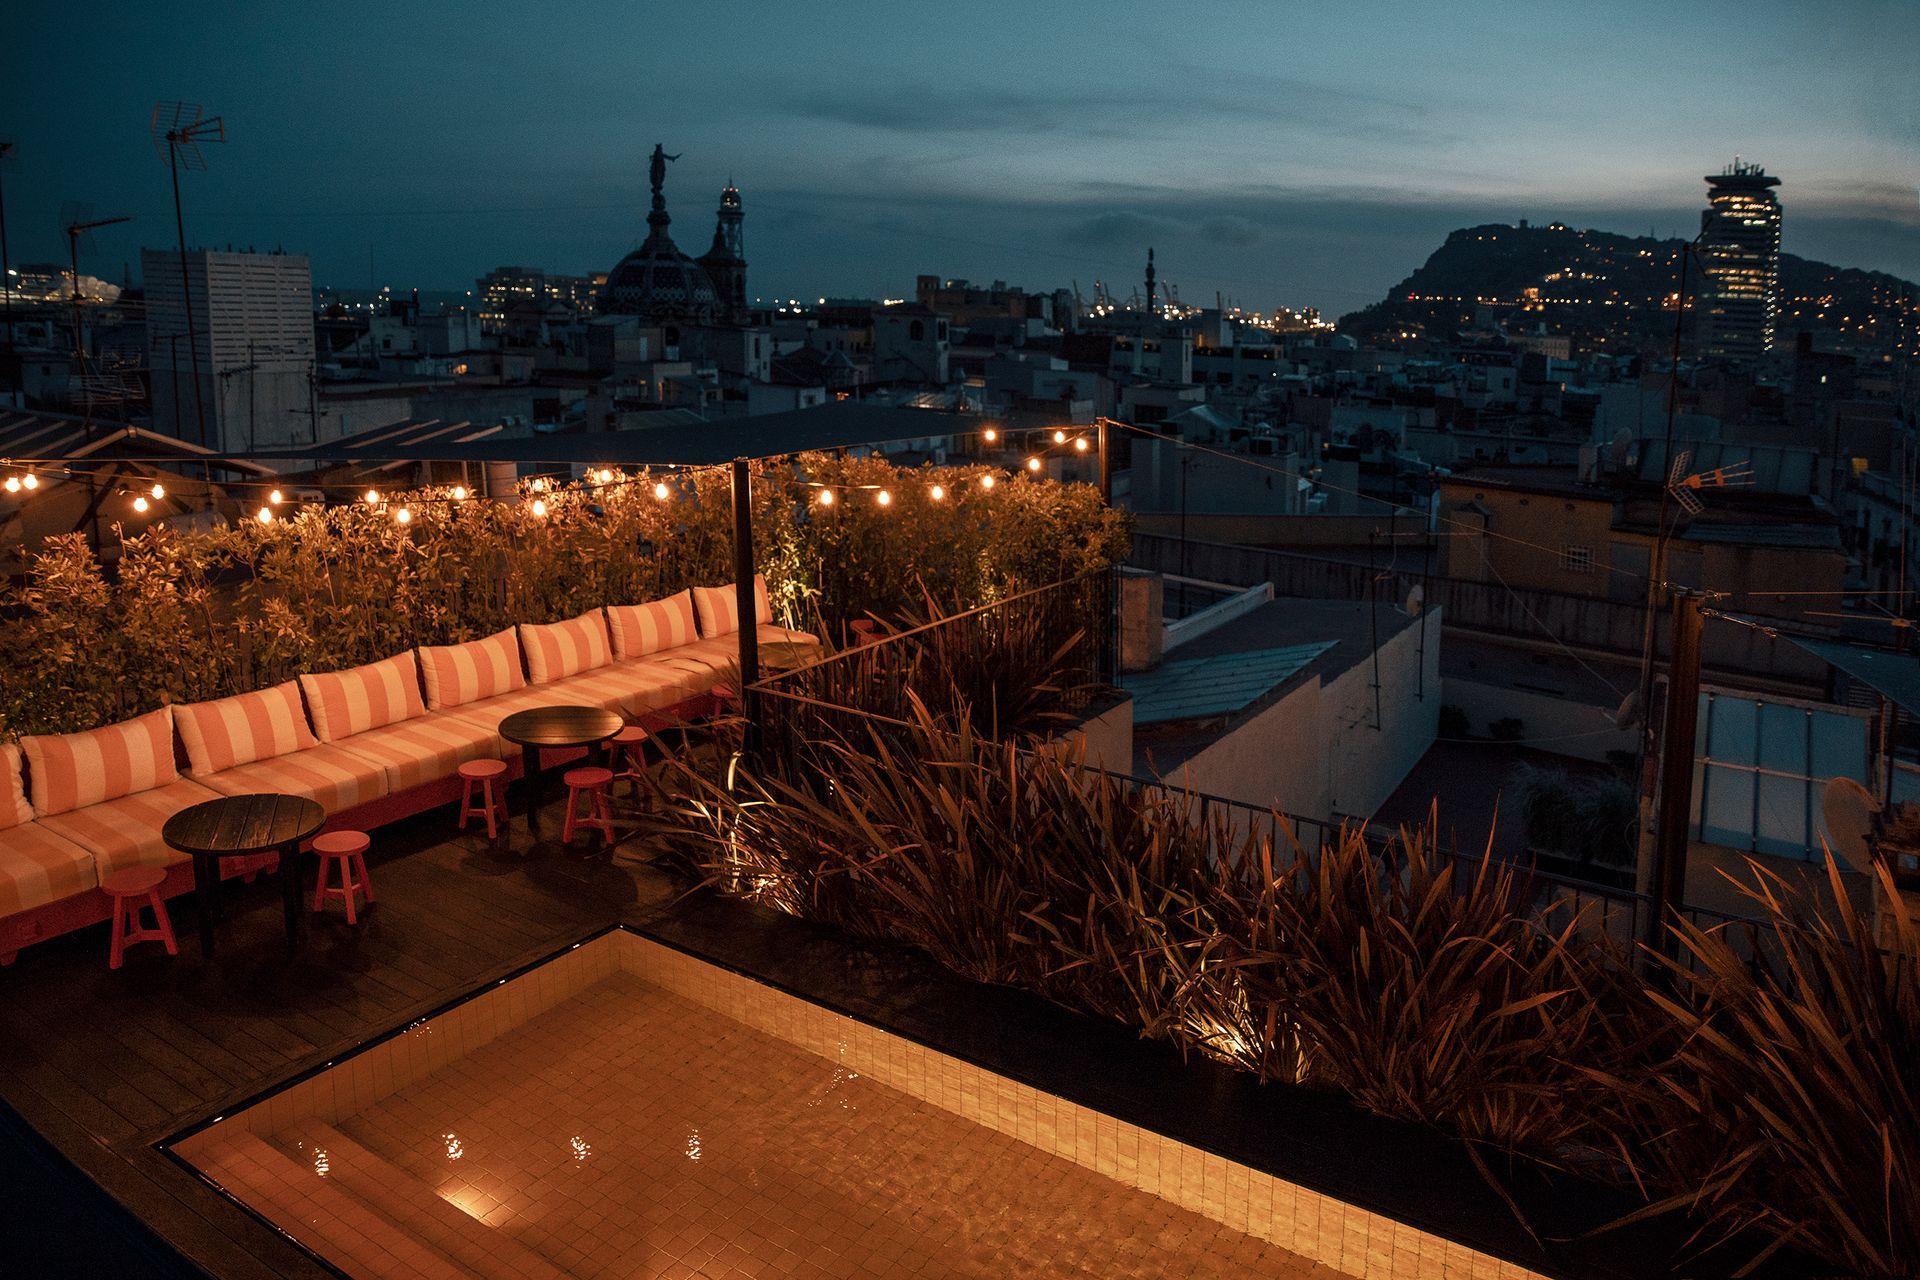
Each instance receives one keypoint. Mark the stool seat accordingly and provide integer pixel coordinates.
(591, 784)
(483, 768)
(133, 881)
(344, 849)
(132, 889)
(629, 736)
(587, 776)
(479, 776)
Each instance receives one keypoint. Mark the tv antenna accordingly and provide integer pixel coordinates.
(80, 225)
(178, 129)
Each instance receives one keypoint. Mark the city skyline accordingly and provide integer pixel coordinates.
(1277, 156)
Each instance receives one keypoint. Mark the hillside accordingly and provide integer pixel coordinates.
(1615, 292)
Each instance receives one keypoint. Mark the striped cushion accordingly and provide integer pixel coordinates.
(38, 867)
(231, 731)
(720, 607)
(125, 832)
(426, 749)
(563, 648)
(461, 673)
(116, 760)
(629, 688)
(14, 808)
(363, 698)
(329, 774)
(640, 629)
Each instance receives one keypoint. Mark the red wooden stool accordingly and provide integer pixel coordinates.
(347, 849)
(481, 774)
(592, 784)
(629, 761)
(130, 890)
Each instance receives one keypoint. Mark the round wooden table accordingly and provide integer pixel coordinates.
(554, 727)
(233, 826)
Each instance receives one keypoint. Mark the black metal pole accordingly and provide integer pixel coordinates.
(1106, 464)
(1674, 820)
(186, 291)
(743, 584)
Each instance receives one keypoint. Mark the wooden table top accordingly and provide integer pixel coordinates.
(560, 726)
(243, 824)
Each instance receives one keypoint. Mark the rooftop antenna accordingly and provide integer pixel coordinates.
(180, 128)
(80, 227)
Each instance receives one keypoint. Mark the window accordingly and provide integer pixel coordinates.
(916, 331)
(1761, 767)
(1576, 559)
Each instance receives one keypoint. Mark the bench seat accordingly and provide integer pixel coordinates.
(38, 866)
(125, 832)
(426, 748)
(330, 775)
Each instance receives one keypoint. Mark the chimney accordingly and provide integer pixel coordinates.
(1141, 605)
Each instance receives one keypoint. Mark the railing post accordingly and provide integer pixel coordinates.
(743, 586)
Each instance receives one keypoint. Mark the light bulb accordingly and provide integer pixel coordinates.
(1033, 464)
(276, 498)
(264, 515)
(1081, 444)
(540, 506)
(884, 498)
(158, 491)
(826, 497)
(991, 435)
(32, 481)
(13, 484)
(404, 516)
(661, 491)
(373, 497)
(986, 482)
(606, 476)
(937, 493)
(459, 493)
(1059, 437)
(139, 504)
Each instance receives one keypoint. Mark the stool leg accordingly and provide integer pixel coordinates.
(466, 804)
(161, 922)
(346, 886)
(566, 830)
(117, 947)
(603, 810)
(486, 795)
(320, 885)
(366, 881)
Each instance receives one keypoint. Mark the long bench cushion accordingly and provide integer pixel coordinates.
(230, 731)
(74, 770)
(344, 703)
(719, 607)
(719, 656)
(561, 649)
(38, 866)
(416, 752)
(329, 774)
(641, 629)
(457, 674)
(125, 832)
(630, 688)
(14, 807)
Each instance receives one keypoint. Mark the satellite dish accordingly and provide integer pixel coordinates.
(1416, 600)
(1847, 811)
(1627, 714)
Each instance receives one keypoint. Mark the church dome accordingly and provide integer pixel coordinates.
(657, 280)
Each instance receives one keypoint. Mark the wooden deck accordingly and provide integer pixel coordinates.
(103, 1064)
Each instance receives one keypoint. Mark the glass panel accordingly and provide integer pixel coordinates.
(1783, 817)
(1906, 783)
(1782, 739)
(1727, 728)
(1728, 818)
(1839, 747)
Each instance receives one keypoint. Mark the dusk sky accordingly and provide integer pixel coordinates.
(1290, 154)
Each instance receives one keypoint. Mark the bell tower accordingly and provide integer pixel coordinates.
(725, 263)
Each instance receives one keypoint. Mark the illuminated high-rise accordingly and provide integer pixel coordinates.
(1740, 254)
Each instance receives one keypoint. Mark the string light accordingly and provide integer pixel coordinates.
(13, 484)
(606, 476)
(1059, 437)
(1080, 444)
(459, 493)
(403, 516)
(539, 506)
(986, 481)
(884, 498)
(937, 492)
(373, 497)
(661, 492)
(276, 498)
(1033, 464)
(264, 515)
(158, 491)
(32, 481)
(140, 504)
(991, 435)
(826, 497)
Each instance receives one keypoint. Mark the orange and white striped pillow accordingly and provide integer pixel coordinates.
(720, 607)
(564, 648)
(640, 629)
(78, 769)
(462, 673)
(353, 701)
(14, 808)
(254, 726)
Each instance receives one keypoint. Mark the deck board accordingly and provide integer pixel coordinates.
(102, 1064)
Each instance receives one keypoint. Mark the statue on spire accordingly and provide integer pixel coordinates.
(657, 170)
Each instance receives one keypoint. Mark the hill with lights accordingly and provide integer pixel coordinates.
(1614, 292)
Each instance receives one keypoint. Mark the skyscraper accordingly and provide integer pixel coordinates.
(1740, 254)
